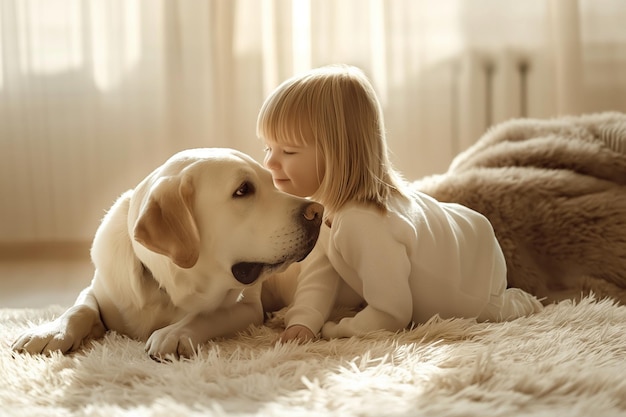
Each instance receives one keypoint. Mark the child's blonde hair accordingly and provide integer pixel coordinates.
(335, 109)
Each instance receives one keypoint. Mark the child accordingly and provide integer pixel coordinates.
(401, 253)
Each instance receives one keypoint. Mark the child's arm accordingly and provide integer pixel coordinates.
(316, 292)
(363, 240)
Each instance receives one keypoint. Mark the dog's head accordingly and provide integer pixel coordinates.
(214, 221)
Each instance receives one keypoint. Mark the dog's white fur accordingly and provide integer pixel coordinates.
(167, 255)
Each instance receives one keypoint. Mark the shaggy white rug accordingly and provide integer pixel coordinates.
(569, 360)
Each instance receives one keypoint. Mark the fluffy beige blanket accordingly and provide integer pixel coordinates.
(555, 192)
(568, 360)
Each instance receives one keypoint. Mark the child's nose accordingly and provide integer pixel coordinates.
(271, 162)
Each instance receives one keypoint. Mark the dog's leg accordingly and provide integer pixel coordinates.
(66, 333)
(182, 338)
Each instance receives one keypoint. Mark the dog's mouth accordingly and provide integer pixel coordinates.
(249, 272)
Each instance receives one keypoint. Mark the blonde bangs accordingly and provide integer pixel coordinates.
(284, 118)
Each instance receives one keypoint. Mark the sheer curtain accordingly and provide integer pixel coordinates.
(96, 93)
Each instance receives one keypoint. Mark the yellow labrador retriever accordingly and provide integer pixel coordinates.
(180, 259)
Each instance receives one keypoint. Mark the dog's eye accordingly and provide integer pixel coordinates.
(246, 188)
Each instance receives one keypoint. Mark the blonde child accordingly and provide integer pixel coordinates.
(399, 252)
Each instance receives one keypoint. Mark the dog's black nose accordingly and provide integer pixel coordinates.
(247, 272)
(313, 212)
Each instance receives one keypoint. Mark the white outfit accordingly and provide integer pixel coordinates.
(420, 259)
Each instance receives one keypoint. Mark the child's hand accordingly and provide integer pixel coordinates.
(297, 333)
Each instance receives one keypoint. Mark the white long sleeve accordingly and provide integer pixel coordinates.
(422, 256)
(419, 259)
(379, 270)
(318, 286)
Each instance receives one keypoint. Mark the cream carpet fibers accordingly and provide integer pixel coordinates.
(569, 360)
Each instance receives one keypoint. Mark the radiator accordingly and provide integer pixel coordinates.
(491, 87)
(455, 100)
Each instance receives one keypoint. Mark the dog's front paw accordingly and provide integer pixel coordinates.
(64, 334)
(171, 342)
(44, 339)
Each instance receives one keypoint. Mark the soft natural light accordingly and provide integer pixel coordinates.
(379, 51)
(115, 38)
(301, 29)
(50, 35)
(53, 36)
(268, 45)
(1, 56)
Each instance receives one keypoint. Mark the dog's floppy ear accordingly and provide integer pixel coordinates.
(166, 224)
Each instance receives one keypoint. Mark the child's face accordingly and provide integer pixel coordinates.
(296, 170)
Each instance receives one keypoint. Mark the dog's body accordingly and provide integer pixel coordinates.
(180, 259)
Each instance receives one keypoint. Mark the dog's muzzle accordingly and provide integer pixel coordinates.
(310, 217)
